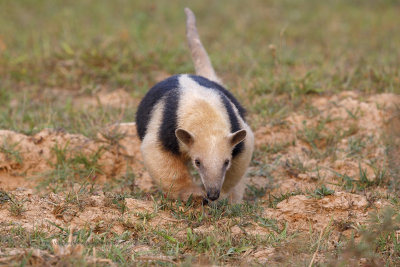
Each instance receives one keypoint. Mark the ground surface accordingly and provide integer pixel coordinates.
(321, 87)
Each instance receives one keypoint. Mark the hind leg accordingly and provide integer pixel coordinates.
(169, 172)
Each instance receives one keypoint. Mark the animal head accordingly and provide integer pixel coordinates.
(211, 156)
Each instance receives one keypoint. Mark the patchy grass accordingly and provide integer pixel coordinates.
(362, 182)
(322, 192)
(274, 200)
(377, 240)
(56, 57)
(16, 207)
(10, 151)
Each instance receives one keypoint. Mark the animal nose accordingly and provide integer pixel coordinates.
(213, 194)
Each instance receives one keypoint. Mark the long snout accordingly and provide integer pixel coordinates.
(212, 180)
(213, 193)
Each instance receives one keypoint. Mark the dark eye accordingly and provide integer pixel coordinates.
(226, 163)
(197, 163)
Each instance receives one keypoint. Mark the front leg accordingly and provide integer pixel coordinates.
(235, 196)
(235, 180)
(169, 172)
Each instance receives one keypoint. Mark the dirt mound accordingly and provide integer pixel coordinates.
(325, 141)
(303, 212)
(115, 151)
(97, 210)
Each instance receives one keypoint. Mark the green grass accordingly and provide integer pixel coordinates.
(274, 200)
(362, 182)
(16, 207)
(10, 151)
(70, 167)
(275, 48)
(271, 54)
(377, 238)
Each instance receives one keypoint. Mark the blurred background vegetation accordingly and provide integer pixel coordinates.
(260, 48)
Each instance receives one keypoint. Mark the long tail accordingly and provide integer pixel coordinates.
(202, 63)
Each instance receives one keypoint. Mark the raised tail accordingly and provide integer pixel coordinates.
(202, 63)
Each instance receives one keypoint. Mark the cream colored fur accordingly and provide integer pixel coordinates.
(169, 172)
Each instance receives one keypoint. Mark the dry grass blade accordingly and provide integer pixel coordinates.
(71, 250)
(318, 245)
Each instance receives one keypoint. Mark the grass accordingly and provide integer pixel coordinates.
(275, 200)
(116, 247)
(273, 55)
(16, 207)
(355, 146)
(70, 167)
(322, 192)
(120, 46)
(216, 245)
(110, 246)
(362, 182)
(10, 151)
(377, 238)
(324, 137)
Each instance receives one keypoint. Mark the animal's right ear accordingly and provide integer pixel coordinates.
(237, 137)
(184, 136)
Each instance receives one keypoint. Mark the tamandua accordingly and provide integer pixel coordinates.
(194, 118)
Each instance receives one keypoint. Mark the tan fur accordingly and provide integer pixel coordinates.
(169, 172)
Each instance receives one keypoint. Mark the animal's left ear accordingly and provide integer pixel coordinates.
(237, 137)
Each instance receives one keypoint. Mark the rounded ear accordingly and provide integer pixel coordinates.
(184, 136)
(237, 137)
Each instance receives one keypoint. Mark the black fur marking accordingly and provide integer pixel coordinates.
(153, 96)
(213, 85)
(228, 99)
(235, 126)
(169, 89)
(169, 122)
